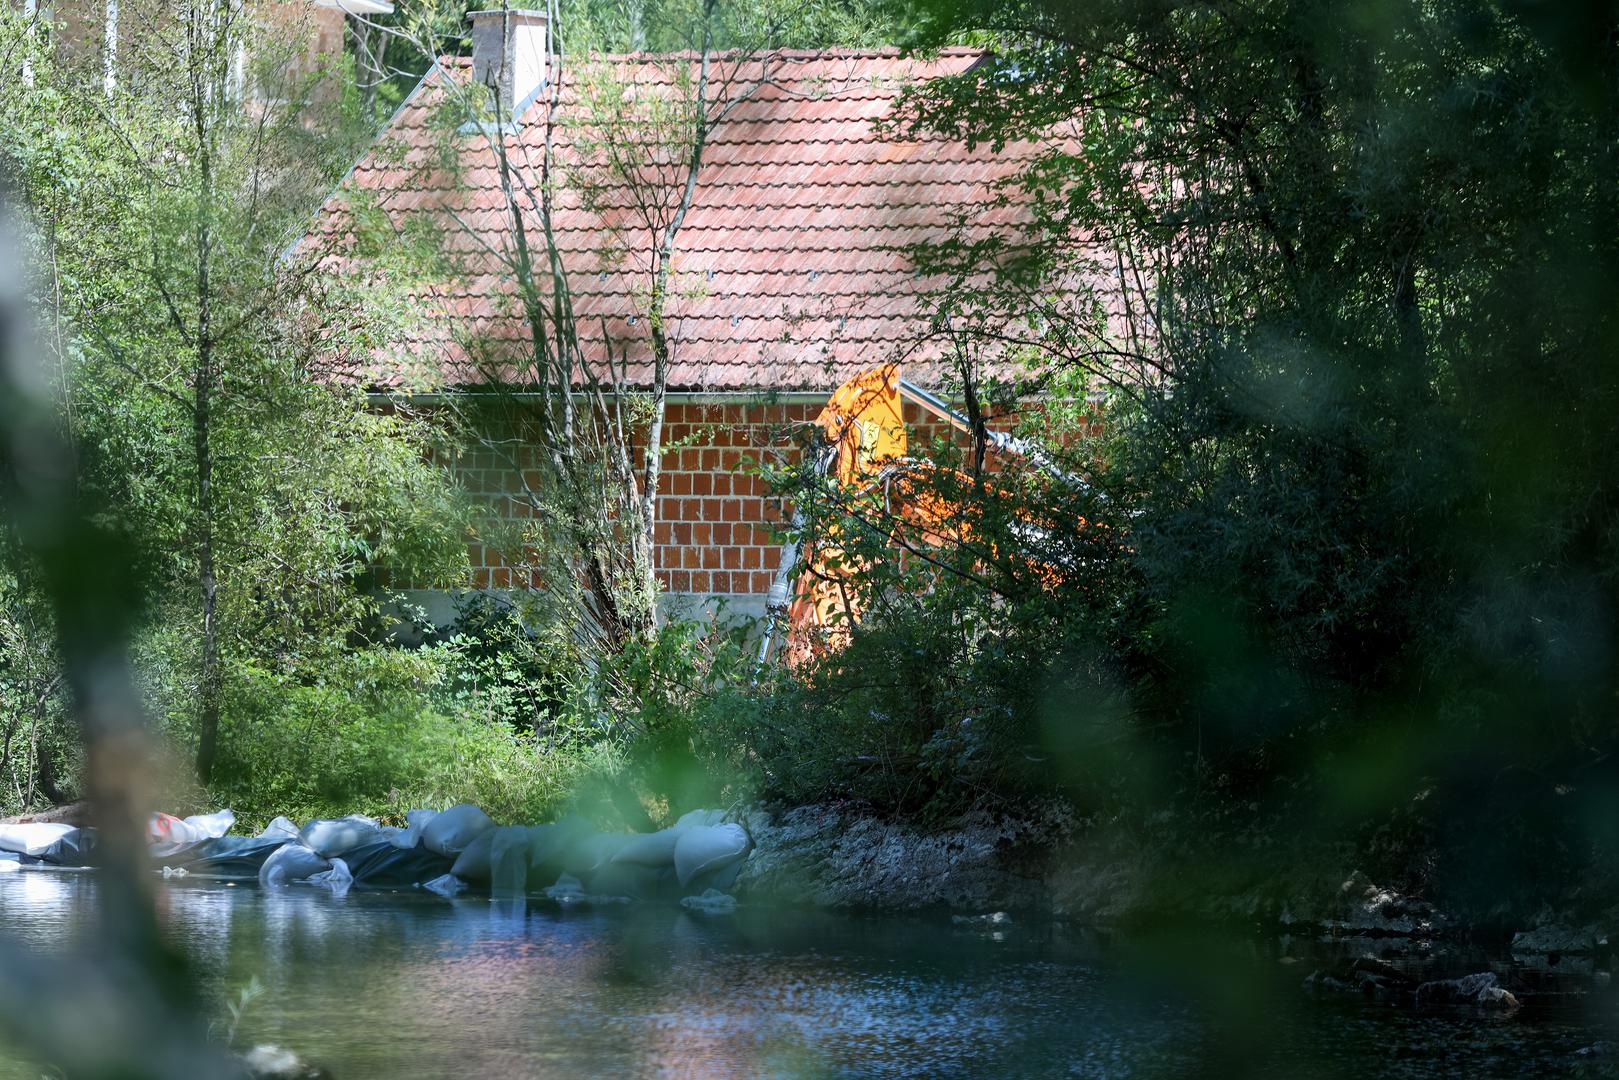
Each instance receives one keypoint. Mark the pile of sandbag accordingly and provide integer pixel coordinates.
(357, 851)
(443, 851)
(701, 851)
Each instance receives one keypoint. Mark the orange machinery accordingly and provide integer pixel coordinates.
(863, 444)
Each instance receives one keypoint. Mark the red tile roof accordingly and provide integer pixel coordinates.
(792, 268)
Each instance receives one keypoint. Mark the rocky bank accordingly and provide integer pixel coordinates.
(840, 857)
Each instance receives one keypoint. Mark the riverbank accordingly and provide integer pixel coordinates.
(840, 858)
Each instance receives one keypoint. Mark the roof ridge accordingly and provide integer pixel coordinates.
(838, 52)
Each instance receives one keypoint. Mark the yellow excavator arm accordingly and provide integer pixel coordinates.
(862, 435)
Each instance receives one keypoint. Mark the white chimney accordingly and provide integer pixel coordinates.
(508, 54)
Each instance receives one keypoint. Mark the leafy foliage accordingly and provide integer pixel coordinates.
(1358, 402)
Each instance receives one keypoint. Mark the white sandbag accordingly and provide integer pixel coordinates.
(167, 832)
(650, 849)
(289, 863)
(281, 828)
(338, 878)
(508, 861)
(692, 818)
(32, 838)
(590, 853)
(708, 847)
(551, 845)
(212, 826)
(411, 834)
(473, 864)
(449, 833)
(335, 836)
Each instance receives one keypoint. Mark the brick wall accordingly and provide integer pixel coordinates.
(715, 514)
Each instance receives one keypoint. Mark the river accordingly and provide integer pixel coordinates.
(402, 985)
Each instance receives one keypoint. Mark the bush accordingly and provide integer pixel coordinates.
(384, 730)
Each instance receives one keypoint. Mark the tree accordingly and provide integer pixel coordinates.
(1351, 245)
(187, 340)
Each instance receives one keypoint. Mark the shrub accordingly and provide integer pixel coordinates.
(383, 730)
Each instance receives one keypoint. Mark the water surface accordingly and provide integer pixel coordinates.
(404, 985)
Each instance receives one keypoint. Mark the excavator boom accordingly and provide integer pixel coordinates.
(862, 435)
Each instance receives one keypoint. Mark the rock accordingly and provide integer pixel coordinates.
(1364, 976)
(269, 1062)
(1481, 991)
(712, 902)
(569, 891)
(837, 858)
(1362, 907)
(994, 918)
(1559, 939)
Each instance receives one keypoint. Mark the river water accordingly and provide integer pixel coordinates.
(403, 985)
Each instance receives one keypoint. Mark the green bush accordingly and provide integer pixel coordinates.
(384, 730)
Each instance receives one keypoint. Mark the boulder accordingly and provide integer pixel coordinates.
(1557, 939)
(1480, 991)
(1365, 976)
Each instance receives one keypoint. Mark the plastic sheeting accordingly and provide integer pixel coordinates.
(383, 866)
(74, 848)
(338, 879)
(445, 885)
(240, 857)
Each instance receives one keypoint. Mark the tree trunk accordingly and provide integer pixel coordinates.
(209, 684)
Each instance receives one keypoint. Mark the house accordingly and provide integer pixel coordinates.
(111, 39)
(793, 268)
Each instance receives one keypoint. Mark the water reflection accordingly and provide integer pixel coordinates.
(403, 986)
